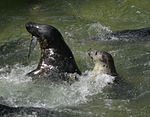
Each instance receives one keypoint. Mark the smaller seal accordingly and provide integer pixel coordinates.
(104, 63)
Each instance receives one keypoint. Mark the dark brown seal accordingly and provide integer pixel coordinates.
(143, 33)
(56, 56)
(103, 63)
(125, 35)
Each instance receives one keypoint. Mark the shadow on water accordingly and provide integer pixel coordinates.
(6, 111)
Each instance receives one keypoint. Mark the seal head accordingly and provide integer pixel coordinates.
(56, 56)
(104, 63)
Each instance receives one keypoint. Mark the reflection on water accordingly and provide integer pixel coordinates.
(78, 21)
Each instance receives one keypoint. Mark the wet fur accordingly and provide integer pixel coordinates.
(137, 33)
(56, 56)
(103, 63)
(124, 35)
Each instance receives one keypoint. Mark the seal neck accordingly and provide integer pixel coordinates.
(57, 60)
(48, 58)
(104, 68)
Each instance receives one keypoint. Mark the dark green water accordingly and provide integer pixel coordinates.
(77, 21)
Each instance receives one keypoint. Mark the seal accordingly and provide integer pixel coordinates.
(125, 35)
(103, 63)
(56, 56)
(143, 33)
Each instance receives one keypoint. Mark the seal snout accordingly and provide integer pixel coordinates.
(30, 24)
(98, 55)
(31, 27)
(91, 52)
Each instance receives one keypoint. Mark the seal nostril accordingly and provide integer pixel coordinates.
(29, 24)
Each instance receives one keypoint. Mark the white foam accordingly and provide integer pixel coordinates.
(91, 85)
(138, 12)
(17, 74)
(99, 30)
(20, 90)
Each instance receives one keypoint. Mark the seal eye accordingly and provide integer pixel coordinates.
(104, 66)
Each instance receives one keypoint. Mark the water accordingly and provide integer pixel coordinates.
(78, 21)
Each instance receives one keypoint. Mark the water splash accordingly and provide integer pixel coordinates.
(97, 30)
(19, 90)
